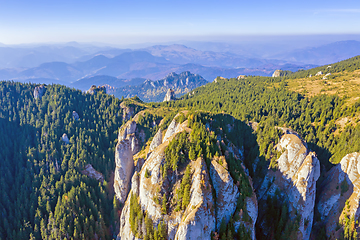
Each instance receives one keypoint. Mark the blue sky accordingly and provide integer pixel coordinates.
(136, 21)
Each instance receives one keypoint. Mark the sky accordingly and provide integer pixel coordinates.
(137, 21)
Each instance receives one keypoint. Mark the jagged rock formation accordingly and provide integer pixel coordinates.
(277, 73)
(170, 95)
(75, 116)
(157, 140)
(203, 214)
(65, 138)
(39, 91)
(126, 147)
(128, 111)
(155, 91)
(296, 176)
(340, 194)
(226, 191)
(94, 90)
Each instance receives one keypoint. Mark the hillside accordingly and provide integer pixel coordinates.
(154, 91)
(233, 159)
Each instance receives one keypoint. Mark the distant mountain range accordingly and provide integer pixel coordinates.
(155, 91)
(82, 65)
(325, 54)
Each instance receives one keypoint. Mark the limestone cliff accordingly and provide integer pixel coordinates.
(295, 182)
(213, 193)
(128, 111)
(340, 194)
(126, 147)
(277, 73)
(170, 96)
(39, 91)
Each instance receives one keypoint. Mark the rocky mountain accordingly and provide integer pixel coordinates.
(240, 158)
(155, 91)
(149, 63)
(211, 197)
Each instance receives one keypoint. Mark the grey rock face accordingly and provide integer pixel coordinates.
(157, 140)
(39, 91)
(94, 90)
(227, 192)
(65, 138)
(341, 185)
(296, 179)
(126, 147)
(75, 116)
(277, 73)
(170, 96)
(128, 111)
(200, 217)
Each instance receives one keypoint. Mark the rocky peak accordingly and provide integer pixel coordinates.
(91, 172)
(170, 95)
(295, 179)
(94, 90)
(277, 73)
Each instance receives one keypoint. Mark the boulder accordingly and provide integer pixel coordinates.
(65, 138)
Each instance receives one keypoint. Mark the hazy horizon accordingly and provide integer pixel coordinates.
(123, 23)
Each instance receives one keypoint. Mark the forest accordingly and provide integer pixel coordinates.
(46, 194)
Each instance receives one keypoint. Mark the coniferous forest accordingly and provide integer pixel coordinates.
(47, 143)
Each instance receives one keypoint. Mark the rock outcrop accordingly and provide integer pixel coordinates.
(65, 138)
(340, 194)
(204, 213)
(295, 179)
(94, 90)
(226, 191)
(39, 91)
(91, 172)
(157, 140)
(128, 111)
(75, 116)
(277, 73)
(170, 95)
(126, 147)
